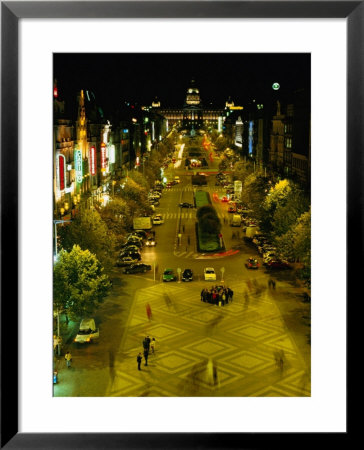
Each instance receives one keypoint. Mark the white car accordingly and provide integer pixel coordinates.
(209, 274)
(158, 219)
(87, 332)
(150, 242)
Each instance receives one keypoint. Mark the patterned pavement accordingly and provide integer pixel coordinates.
(206, 350)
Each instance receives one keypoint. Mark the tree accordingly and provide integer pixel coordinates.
(135, 195)
(79, 285)
(220, 144)
(286, 213)
(89, 232)
(117, 217)
(210, 223)
(302, 238)
(207, 209)
(208, 220)
(295, 244)
(139, 179)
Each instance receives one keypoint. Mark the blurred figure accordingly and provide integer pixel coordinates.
(152, 345)
(246, 303)
(149, 311)
(279, 357)
(68, 359)
(146, 354)
(139, 360)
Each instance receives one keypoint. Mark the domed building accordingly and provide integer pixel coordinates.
(192, 115)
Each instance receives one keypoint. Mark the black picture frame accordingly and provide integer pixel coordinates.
(11, 12)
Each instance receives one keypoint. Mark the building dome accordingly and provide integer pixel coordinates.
(193, 94)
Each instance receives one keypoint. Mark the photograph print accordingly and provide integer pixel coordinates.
(181, 225)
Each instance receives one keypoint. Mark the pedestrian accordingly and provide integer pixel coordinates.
(188, 240)
(139, 360)
(203, 293)
(146, 343)
(68, 359)
(273, 284)
(149, 311)
(270, 283)
(152, 345)
(230, 294)
(146, 353)
(183, 228)
(249, 283)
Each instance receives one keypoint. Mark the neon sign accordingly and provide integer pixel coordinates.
(103, 157)
(250, 137)
(61, 172)
(78, 165)
(93, 161)
(111, 154)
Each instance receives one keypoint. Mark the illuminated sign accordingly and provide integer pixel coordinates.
(236, 108)
(103, 157)
(219, 126)
(93, 161)
(250, 137)
(276, 86)
(78, 165)
(137, 161)
(239, 132)
(112, 154)
(61, 172)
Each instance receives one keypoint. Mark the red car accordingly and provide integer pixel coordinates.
(252, 263)
(276, 264)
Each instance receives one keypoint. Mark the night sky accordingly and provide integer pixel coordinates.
(137, 77)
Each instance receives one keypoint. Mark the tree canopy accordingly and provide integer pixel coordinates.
(89, 232)
(79, 285)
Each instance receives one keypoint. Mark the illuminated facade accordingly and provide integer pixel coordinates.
(193, 115)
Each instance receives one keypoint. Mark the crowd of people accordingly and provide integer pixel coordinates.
(217, 295)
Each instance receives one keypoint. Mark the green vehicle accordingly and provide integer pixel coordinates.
(168, 275)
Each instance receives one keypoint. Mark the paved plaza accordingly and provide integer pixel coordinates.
(207, 350)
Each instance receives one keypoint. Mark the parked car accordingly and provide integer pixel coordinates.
(187, 275)
(134, 237)
(232, 209)
(209, 274)
(252, 263)
(185, 205)
(143, 234)
(150, 242)
(132, 243)
(158, 219)
(138, 268)
(132, 253)
(278, 264)
(126, 261)
(224, 199)
(87, 332)
(168, 275)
